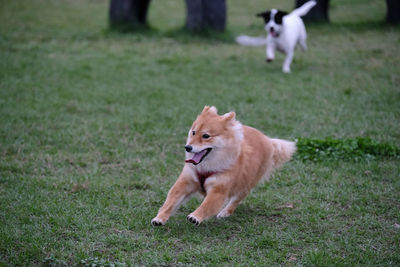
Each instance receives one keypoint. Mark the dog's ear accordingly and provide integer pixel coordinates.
(205, 109)
(209, 109)
(213, 110)
(264, 14)
(279, 16)
(230, 116)
(284, 13)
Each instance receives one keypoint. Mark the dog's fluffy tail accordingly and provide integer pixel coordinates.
(283, 151)
(251, 41)
(304, 9)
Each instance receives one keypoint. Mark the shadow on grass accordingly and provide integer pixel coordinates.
(183, 35)
(204, 35)
(245, 216)
(356, 27)
(180, 34)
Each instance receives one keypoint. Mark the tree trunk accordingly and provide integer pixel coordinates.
(393, 11)
(319, 13)
(206, 14)
(128, 14)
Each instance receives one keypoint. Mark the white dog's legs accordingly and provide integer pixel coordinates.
(270, 51)
(303, 44)
(303, 37)
(288, 61)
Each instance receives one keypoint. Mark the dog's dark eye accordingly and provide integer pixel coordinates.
(206, 136)
(193, 133)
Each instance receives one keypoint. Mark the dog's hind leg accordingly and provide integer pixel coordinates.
(231, 206)
(303, 44)
(303, 37)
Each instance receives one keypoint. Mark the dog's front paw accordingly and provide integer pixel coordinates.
(193, 220)
(286, 70)
(157, 222)
(269, 60)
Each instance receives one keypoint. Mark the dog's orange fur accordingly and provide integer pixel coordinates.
(240, 157)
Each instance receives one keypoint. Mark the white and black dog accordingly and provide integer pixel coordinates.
(284, 32)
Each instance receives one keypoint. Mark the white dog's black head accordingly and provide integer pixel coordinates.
(273, 21)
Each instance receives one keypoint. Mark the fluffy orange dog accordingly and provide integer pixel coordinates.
(224, 161)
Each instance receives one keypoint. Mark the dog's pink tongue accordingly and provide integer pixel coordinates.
(196, 157)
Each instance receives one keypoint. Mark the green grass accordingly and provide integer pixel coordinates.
(346, 149)
(93, 123)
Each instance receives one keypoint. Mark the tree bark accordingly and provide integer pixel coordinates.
(393, 11)
(206, 14)
(319, 13)
(128, 14)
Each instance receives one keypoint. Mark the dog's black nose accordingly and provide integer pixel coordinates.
(188, 148)
(271, 29)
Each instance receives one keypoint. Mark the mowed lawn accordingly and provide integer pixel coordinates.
(93, 124)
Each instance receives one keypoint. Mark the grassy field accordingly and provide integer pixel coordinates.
(93, 124)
